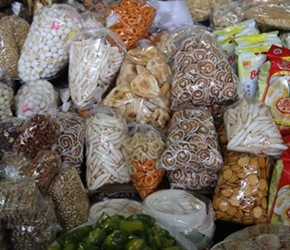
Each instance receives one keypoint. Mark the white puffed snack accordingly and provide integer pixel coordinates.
(36, 97)
(105, 132)
(45, 51)
(250, 128)
(95, 58)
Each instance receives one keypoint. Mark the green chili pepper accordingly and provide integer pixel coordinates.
(115, 241)
(75, 236)
(161, 231)
(101, 219)
(84, 245)
(136, 244)
(174, 248)
(168, 242)
(57, 247)
(145, 218)
(133, 226)
(96, 236)
(70, 246)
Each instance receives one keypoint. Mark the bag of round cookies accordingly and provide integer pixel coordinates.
(242, 189)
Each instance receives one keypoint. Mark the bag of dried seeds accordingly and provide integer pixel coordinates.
(69, 197)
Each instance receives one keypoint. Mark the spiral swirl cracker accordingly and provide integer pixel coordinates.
(202, 82)
(184, 97)
(198, 95)
(183, 156)
(208, 43)
(198, 55)
(223, 65)
(183, 82)
(190, 44)
(212, 56)
(211, 142)
(186, 61)
(176, 135)
(206, 68)
(189, 126)
(206, 179)
(229, 92)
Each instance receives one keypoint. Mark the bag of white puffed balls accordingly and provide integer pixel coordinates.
(36, 97)
(45, 51)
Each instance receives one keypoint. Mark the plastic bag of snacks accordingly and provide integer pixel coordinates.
(6, 95)
(191, 158)
(270, 16)
(190, 215)
(34, 231)
(227, 14)
(273, 85)
(144, 146)
(36, 97)
(201, 73)
(279, 195)
(95, 58)
(45, 51)
(130, 20)
(200, 9)
(105, 132)
(142, 93)
(10, 129)
(260, 236)
(19, 195)
(70, 198)
(242, 188)
(42, 168)
(39, 132)
(9, 50)
(70, 143)
(251, 128)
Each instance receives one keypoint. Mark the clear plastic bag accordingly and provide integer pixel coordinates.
(70, 198)
(200, 9)
(270, 16)
(202, 74)
(242, 189)
(10, 129)
(19, 195)
(143, 87)
(191, 157)
(95, 58)
(45, 51)
(191, 215)
(6, 100)
(251, 128)
(36, 97)
(130, 20)
(40, 132)
(42, 168)
(144, 146)
(225, 15)
(105, 132)
(70, 143)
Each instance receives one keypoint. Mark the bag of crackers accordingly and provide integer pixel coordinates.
(241, 192)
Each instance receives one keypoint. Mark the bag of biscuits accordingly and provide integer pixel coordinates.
(142, 92)
(241, 192)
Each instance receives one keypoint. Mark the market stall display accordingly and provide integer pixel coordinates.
(128, 108)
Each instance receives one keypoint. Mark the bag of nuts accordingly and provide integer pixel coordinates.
(40, 132)
(42, 168)
(70, 198)
(242, 189)
(34, 231)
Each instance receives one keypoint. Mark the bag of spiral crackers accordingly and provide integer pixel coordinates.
(191, 158)
(241, 193)
(144, 146)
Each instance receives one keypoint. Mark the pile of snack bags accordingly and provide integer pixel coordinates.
(132, 124)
